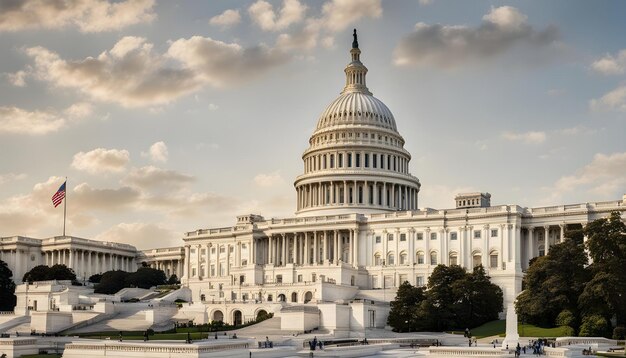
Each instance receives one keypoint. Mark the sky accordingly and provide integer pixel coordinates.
(171, 116)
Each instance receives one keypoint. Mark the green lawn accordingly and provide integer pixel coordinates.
(498, 328)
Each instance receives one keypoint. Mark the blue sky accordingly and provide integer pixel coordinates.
(172, 116)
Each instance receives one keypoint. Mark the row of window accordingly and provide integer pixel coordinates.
(394, 163)
(420, 259)
(402, 196)
(434, 236)
(375, 117)
(222, 249)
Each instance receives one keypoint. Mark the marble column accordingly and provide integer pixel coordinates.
(547, 239)
(186, 267)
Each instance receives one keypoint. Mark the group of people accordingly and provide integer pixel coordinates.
(314, 344)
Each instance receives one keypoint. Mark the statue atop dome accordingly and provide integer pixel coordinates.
(355, 42)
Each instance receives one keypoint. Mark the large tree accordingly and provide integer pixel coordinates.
(45, 273)
(403, 314)
(554, 282)
(146, 277)
(480, 300)
(7, 288)
(111, 282)
(605, 293)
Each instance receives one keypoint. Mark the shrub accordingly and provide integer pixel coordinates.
(594, 326)
(619, 333)
(565, 318)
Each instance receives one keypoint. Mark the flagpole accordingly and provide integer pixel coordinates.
(64, 206)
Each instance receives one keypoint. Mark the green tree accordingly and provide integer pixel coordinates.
(403, 314)
(479, 300)
(146, 277)
(45, 273)
(7, 288)
(605, 293)
(554, 282)
(441, 298)
(595, 326)
(111, 282)
(95, 278)
(173, 280)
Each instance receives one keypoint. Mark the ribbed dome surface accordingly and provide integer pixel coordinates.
(357, 108)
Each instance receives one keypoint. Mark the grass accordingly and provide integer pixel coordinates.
(498, 328)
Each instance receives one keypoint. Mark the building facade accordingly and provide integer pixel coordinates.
(356, 235)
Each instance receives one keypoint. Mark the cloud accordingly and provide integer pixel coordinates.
(129, 74)
(603, 178)
(269, 180)
(226, 19)
(133, 75)
(18, 78)
(614, 100)
(158, 152)
(85, 197)
(447, 46)
(21, 121)
(578, 130)
(441, 196)
(263, 14)
(152, 177)
(140, 235)
(611, 65)
(86, 15)
(9, 177)
(336, 15)
(101, 160)
(527, 137)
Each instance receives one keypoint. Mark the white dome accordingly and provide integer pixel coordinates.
(357, 108)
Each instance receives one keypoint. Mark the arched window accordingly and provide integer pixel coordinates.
(294, 297)
(433, 258)
(453, 259)
(542, 250)
(477, 259)
(420, 257)
(391, 258)
(403, 258)
(493, 259)
(377, 259)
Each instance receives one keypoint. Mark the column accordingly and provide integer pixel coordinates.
(384, 198)
(411, 238)
(207, 260)
(485, 248)
(427, 246)
(385, 248)
(325, 256)
(83, 271)
(530, 243)
(228, 260)
(89, 264)
(562, 232)
(340, 244)
(355, 239)
(517, 246)
(178, 268)
(547, 239)
(336, 246)
(283, 258)
(294, 253)
(186, 267)
(462, 247)
(345, 193)
(307, 249)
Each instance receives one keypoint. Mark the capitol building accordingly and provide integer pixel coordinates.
(358, 232)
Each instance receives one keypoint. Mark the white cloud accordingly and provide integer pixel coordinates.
(85, 197)
(603, 179)
(223, 64)
(614, 100)
(263, 14)
(611, 65)
(18, 78)
(9, 177)
(20, 121)
(527, 137)
(441, 196)
(269, 180)
(425, 2)
(101, 160)
(226, 19)
(87, 15)
(158, 152)
(133, 75)
(140, 235)
(152, 177)
(577, 130)
(447, 46)
(336, 15)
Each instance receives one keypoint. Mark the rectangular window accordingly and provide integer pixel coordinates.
(420, 236)
(299, 278)
(349, 160)
(494, 232)
(193, 272)
(453, 260)
(367, 160)
(222, 249)
(358, 160)
(419, 281)
(193, 251)
(332, 161)
(212, 270)
(378, 239)
(340, 160)
(420, 259)
(493, 261)
(476, 234)
(433, 236)
(374, 157)
(382, 161)
(402, 237)
(402, 278)
(390, 237)
(453, 236)
(279, 278)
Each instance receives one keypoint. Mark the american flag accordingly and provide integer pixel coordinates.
(58, 197)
